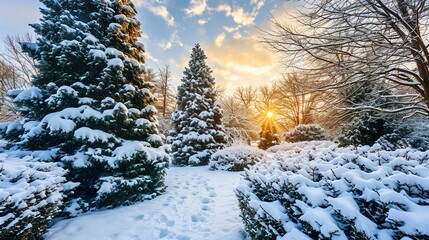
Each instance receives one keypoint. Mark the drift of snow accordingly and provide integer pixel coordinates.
(198, 204)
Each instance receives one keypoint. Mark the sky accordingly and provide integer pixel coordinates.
(226, 29)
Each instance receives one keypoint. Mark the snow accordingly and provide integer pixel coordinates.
(198, 204)
(28, 94)
(116, 62)
(114, 52)
(91, 39)
(96, 53)
(92, 135)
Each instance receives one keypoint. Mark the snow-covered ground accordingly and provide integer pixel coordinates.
(198, 204)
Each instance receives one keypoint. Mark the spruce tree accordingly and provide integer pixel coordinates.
(268, 136)
(198, 129)
(90, 108)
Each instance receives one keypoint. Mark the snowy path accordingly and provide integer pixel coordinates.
(198, 204)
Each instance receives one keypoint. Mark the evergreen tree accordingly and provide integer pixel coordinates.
(365, 128)
(268, 135)
(90, 108)
(198, 129)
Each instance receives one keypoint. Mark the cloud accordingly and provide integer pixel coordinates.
(202, 21)
(157, 9)
(237, 35)
(219, 39)
(242, 17)
(225, 8)
(241, 62)
(238, 14)
(231, 29)
(259, 3)
(151, 57)
(197, 7)
(173, 40)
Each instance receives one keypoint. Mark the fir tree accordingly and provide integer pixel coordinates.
(268, 135)
(90, 107)
(198, 129)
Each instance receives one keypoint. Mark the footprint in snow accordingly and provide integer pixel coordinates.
(198, 218)
(139, 217)
(167, 221)
(205, 208)
(212, 194)
(205, 200)
(163, 233)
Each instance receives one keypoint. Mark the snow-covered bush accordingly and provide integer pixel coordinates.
(305, 132)
(366, 128)
(337, 193)
(31, 194)
(412, 133)
(235, 158)
(299, 145)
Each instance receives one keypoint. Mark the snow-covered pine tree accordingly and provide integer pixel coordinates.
(90, 108)
(268, 137)
(365, 128)
(198, 129)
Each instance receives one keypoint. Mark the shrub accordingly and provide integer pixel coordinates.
(309, 132)
(31, 194)
(235, 158)
(337, 193)
(366, 129)
(299, 145)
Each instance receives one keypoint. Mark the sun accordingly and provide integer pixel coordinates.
(269, 114)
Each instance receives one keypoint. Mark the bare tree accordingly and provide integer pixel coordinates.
(345, 42)
(246, 95)
(16, 71)
(295, 105)
(164, 90)
(23, 64)
(238, 121)
(266, 101)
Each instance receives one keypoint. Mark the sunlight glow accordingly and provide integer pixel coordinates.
(269, 114)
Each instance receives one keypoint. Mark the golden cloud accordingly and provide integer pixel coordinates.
(241, 62)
